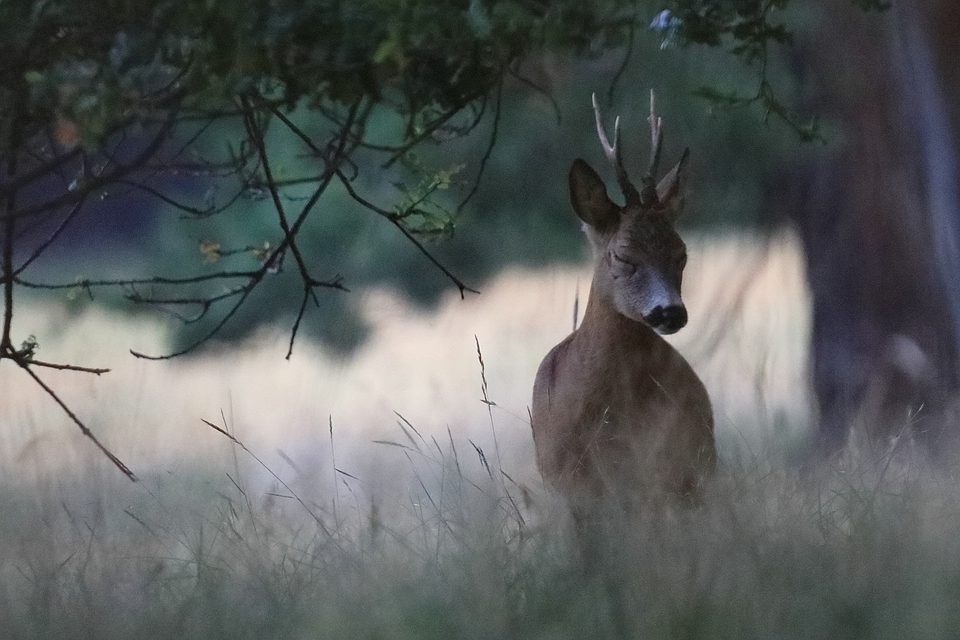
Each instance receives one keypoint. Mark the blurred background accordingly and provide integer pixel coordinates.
(821, 213)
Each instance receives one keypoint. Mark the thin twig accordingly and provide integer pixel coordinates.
(494, 132)
(209, 335)
(256, 132)
(52, 237)
(307, 292)
(99, 181)
(67, 367)
(8, 282)
(38, 173)
(395, 221)
(85, 283)
(83, 428)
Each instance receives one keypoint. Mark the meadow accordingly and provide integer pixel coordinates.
(394, 494)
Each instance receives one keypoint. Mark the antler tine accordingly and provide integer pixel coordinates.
(649, 194)
(612, 151)
(656, 136)
(608, 150)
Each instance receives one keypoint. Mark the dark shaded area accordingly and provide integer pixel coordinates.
(878, 217)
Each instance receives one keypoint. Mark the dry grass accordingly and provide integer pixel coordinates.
(442, 529)
(747, 338)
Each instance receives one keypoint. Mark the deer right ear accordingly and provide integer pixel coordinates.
(589, 197)
(669, 187)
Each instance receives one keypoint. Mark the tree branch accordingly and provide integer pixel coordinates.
(73, 417)
(398, 223)
(102, 180)
(52, 237)
(389, 215)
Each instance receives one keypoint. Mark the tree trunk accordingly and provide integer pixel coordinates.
(878, 215)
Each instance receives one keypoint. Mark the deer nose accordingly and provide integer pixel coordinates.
(668, 319)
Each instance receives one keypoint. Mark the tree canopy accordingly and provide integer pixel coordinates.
(93, 97)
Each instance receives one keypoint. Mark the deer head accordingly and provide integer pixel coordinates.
(640, 257)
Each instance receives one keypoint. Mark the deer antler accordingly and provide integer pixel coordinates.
(613, 155)
(649, 194)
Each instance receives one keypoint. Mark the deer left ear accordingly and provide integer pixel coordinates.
(589, 197)
(669, 187)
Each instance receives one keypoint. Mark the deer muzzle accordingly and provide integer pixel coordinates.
(667, 320)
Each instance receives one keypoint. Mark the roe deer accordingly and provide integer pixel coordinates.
(617, 411)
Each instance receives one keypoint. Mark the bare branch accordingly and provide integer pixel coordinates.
(42, 171)
(100, 181)
(389, 215)
(52, 237)
(73, 417)
(201, 213)
(87, 284)
(425, 131)
(398, 223)
(489, 152)
(255, 277)
(67, 367)
(255, 131)
(207, 336)
(6, 344)
(307, 294)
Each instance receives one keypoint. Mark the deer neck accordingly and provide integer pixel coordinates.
(604, 330)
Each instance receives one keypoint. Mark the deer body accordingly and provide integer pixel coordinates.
(617, 411)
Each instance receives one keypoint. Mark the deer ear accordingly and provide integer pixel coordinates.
(589, 196)
(669, 187)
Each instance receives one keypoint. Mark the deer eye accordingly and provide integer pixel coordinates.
(625, 266)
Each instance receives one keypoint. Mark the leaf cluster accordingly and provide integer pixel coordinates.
(93, 67)
(747, 27)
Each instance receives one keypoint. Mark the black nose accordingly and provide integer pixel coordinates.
(668, 319)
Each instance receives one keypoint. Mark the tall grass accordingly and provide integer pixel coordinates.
(453, 549)
(440, 531)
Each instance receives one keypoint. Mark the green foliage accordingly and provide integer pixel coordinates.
(267, 133)
(746, 29)
(29, 347)
(95, 96)
(99, 65)
(420, 202)
(744, 25)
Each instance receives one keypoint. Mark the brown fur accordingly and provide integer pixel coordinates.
(615, 406)
(617, 412)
